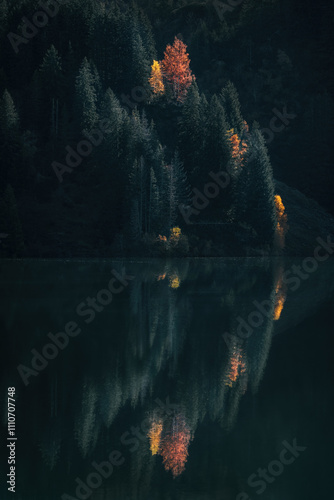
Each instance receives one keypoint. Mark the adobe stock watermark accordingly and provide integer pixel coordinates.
(263, 477)
(293, 278)
(200, 200)
(88, 309)
(30, 28)
(103, 470)
(277, 124)
(83, 149)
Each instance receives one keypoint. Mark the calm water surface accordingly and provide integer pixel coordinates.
(186, 382)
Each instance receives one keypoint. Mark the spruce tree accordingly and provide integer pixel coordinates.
(86, 97)
(217, 152)
(191, 133)
(255, 198)
(9, 118)
(12, 244)
(51, 72)
(10, 148)
(230, 101)
(179, 190)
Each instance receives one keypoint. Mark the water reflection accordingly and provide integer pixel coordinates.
(173, 333)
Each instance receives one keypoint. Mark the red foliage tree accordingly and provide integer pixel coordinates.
(175, 66)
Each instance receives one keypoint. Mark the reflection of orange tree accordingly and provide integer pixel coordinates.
(174, 448)
(173, 444)
(237, 366)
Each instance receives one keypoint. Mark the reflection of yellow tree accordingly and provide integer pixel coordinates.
(173, 444)
(174, 281)
(282, 221)
(280, 297)
(174, 448)
(154, 435)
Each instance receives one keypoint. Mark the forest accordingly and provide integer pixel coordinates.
(165, 128)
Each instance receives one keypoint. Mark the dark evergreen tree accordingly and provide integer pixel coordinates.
(191, 134)
(9, 118)
(9, 140)
(138, 66)
(51, 72)
(178, 189)
(11, 241)
(50, 88)
(255, 195)
(86, 97)
(217, 151)
(230, 101)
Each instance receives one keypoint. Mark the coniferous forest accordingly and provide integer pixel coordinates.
(165, 128)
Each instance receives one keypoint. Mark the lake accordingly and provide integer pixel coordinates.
(181, 379)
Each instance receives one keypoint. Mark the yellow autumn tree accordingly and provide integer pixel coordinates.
(156, 80)
(282, 221)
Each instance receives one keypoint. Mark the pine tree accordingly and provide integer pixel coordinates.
(10, 148)
(191, 134)
(255, 196)
(3, 16)
(86, 97)
(50, 85)
(139, 65)
(154, 218)
(230, 101)
(179, 189)
(51, 72)
(216, 159)
(13, 244)
(9, 119)
(216, 146)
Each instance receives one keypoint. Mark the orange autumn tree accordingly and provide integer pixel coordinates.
(238, 147)
(176, 70)
(237, 366)
(156, 80)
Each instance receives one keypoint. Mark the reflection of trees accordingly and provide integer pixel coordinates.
(156, 340)
(236, 365)
(170, 437)
(173, 336)
(154, 434)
